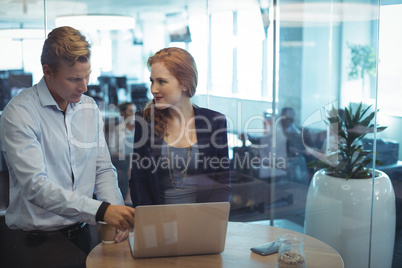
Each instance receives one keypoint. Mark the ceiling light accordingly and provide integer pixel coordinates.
(96, 22)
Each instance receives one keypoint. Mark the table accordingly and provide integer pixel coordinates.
(240, 238)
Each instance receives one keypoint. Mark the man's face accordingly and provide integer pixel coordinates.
(129, 112)
(68, 83)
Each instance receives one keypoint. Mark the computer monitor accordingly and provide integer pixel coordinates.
(19, 82)
(139, 95)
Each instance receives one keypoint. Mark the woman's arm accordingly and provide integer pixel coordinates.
(221, 190)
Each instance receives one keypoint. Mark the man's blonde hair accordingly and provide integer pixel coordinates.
(65, 44)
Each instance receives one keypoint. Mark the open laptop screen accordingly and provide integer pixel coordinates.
(179, 229)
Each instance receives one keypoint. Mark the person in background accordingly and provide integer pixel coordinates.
(294, 144)
(54, 146)
(121, 144)
(180, 150)
(272, 144)
(281, 139)
(287, 120)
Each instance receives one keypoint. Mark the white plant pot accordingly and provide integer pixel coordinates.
(338, 212)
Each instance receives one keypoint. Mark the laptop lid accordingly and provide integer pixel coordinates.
(179, 229)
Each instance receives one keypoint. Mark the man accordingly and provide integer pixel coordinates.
(121, 145)
(294, 143)
(53, 143)
(122, 136)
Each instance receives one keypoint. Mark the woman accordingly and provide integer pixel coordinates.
(180, 150)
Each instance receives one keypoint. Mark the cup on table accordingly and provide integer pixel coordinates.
(108, 232)
(291, 251)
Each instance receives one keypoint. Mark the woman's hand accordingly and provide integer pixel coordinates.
(121, 235)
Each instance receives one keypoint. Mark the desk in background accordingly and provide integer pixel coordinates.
(240, 238)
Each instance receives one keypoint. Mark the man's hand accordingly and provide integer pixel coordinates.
(121, 217)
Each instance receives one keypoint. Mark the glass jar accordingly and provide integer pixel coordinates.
(291, 251)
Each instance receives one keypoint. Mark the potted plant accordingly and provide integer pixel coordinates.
(343, 207)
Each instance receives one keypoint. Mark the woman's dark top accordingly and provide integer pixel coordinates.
(210, 175)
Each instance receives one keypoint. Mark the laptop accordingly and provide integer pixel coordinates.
(179, 229)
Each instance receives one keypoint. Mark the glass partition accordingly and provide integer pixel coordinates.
(275, 69)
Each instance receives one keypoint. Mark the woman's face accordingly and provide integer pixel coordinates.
(166, 89)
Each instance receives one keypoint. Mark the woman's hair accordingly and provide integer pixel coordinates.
(182, 66)
(65, 44)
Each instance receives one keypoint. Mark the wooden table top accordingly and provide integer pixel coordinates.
(240, 238)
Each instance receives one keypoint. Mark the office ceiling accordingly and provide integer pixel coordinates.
(30, 13)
